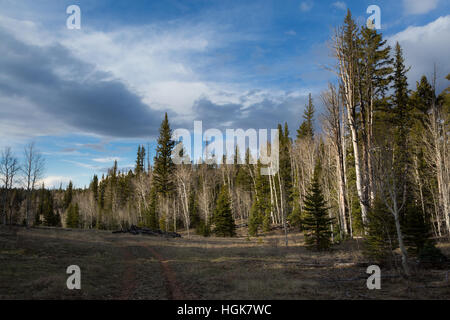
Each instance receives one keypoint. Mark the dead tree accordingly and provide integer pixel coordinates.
(33, 171)
(334, 130)
(393, 194)
(9, 166)
(346, 52)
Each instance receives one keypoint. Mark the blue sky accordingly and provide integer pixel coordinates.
(89, 96)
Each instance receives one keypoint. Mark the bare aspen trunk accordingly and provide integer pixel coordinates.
(370, 154)
(283, 216)
(401, 245)
(341, 184)
(271, 200)
(348, 72)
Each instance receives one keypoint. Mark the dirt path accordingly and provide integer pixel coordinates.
(129, 281)
(130, 278)
(173, 288)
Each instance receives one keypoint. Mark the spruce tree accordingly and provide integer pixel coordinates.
(164, 166)
(140, 159)
(94, 187)
(48, 212)
(261, 201)
(285, 169)
(306, 129)
(73, 216)
(194, 216)
(255, 220)
(316, 224)
(223, 218)
(381, 238)
(417, 231)
(295, 217)
(68, 194)
(151, 214)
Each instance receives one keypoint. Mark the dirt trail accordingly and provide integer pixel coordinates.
(173, 288)
(130, 280)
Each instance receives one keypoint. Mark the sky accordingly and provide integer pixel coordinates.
(90, 96)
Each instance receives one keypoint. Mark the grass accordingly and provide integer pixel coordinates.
(33, 265)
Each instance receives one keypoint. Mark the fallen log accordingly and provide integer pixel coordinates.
(146, 231)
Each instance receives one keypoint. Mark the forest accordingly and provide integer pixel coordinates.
(373, 164)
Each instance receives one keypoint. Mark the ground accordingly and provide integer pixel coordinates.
(33, 265)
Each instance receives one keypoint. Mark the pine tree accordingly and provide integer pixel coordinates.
(401, 111)
(255, 220)
(295, 218)
(306, 129)
(417, 231)
(151, 214)
(164, 166)
(94, 187)
(194, 216)
(316, 224)
(73, 216)
(261, 201)
(285, 169)
(140, 159)
(381, 238)
(48, 212)
(68, 194)
(223, 218)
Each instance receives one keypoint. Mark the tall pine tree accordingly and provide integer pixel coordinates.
(164, 166)
(223, 217)
(316, 223)
(306, 129)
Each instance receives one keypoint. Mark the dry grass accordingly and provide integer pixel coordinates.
(119, 266)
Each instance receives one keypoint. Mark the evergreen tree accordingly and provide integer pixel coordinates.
(381, 238)
(94, 187)
(140, 159)
(68, 194)
(295, 218)
(285, 169)
(194, 216)
(73, 216)
(151, 214)
(46, 208)
(316, 224)
(223, 218)
(401, 111)
(306, 129)
(57, 221)
(262, 197)
(49, 214)
(417, 231)
(255, 220)
(164, 166)
(203, 229)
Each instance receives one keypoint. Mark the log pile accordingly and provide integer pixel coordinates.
(150, 232)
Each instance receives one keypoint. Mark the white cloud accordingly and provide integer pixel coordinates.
(55, 181)
(423, 46)
(159, 64)
(306, 6)
(419, 6)
(339, 5)
(106, 159)
(291, 33)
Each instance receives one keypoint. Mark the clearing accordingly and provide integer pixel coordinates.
(33, 265)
